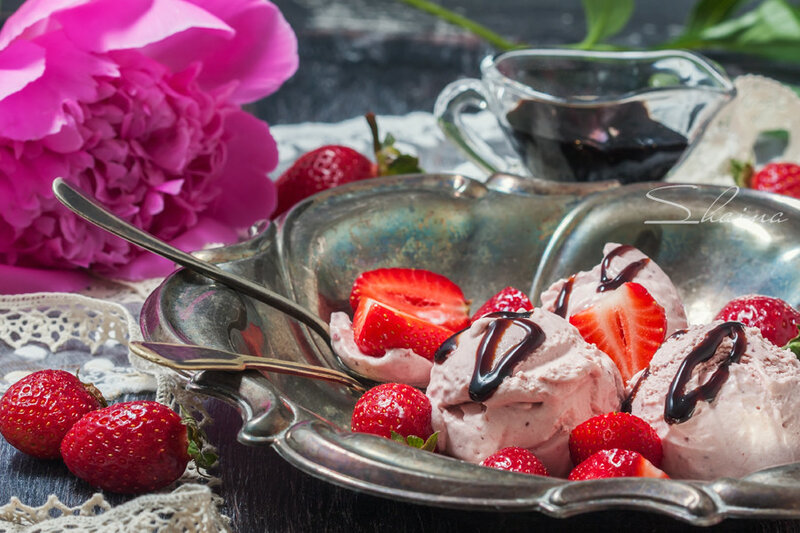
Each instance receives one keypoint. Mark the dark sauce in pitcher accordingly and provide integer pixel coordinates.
(593, 142)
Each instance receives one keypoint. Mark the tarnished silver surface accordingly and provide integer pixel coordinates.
(484, 237)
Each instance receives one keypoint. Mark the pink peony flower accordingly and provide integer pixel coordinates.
(137, 103)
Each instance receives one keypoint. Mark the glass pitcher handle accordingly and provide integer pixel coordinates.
(450, 105)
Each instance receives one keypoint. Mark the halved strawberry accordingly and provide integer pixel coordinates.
(614, 430)
(508, 299)
(420, 293)
(615, 463)
(378, 327)
(627, 324)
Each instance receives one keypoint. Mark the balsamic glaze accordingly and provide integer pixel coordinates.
(562, 302)
(626, 274)
(490, 367)
(628, 401)
(680, 405)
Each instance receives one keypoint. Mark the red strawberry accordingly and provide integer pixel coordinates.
(334, 165)
(420, 293)
(38, 410)
(509, 299)
(318, 170)
(393, 410)
(627, 324)
(614, 430)
(780, 178)
(777, 320)
(515, 459)
(615, 463)
(129, 447)
(377, 328)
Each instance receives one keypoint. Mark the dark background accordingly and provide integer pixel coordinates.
(385, 57)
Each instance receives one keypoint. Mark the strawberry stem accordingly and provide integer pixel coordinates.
(373, 127)
(94, 391)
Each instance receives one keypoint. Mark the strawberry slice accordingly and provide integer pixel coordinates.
(508, 299)
(378, 327)
(627, 324)
(419, 293)
(615, 463)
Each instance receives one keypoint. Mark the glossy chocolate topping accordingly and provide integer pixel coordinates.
(492, 367)
(680, 405)
(562, 302)
(626, 274)
(447, 347)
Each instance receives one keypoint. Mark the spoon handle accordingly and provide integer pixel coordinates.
(80, 204)
(189, 357)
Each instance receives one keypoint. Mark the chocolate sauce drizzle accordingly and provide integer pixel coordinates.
(680, 405)
(447, 347)
(562, 302)
(490, 367)
(625, 275)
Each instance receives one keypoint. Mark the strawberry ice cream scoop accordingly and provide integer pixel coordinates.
(401, 365)
(519, 379)
(723, 400)
(620, 264)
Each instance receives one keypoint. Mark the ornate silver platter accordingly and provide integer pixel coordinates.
(714, 243)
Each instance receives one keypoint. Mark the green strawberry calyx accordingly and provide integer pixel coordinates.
(203, 458)
(428, 445)
(390, 160)
(794, 344)
(742, 172)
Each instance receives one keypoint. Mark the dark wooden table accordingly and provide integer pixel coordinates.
(378, 55)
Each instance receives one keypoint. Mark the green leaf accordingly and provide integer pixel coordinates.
(604, 19)
(770, 30)
(416, 442)
(794, 344)
(707, 13)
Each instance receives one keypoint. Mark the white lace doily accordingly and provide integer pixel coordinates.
(89, 332)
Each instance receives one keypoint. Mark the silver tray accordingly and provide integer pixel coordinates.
(508, 231)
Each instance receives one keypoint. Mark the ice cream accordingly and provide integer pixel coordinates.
(519, 379)
(724, 401)
(620, 263)
(400, 365)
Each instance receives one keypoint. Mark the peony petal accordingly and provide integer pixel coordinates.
(31, 19)
(20, 64)
(261, 56)
(18, 280)
(105, 25)
(248, 194)
(38, 109)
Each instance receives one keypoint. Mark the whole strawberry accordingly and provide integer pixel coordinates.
(333, 165)
(318, 170)
(614, 430)
(515, 459)
(777, 320)
(508, 299)
(395, 411)
(780, 177)
(129, 447)
(38, 410)
(615, 463)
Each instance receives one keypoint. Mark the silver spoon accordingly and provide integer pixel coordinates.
(83, 206)
(189, 357)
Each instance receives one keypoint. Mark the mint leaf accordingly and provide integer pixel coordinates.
(604, 19)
